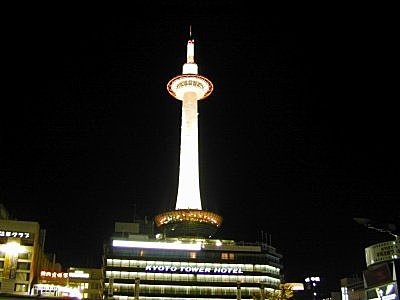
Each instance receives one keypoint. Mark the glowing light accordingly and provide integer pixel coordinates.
(78, 274)
(308, 279)
(58, 290)
(188, 215)
(156, 245)
(389, 289)
(12, 248)
(297, 286)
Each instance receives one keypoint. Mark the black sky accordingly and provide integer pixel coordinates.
(298, 137)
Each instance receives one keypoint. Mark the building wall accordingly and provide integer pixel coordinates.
(19, 255)
(89, 280)
(219, 269)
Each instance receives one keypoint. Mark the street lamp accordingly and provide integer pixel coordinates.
(390, 228)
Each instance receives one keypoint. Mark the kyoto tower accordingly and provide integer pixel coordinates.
(188, 219)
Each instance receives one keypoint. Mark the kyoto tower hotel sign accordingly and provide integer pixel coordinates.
(188, 218)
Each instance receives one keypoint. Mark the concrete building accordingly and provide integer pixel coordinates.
(21, 255)
(383, 269)
(88, 280)
(142, 266)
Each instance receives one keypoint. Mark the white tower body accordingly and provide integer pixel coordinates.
(189, 219)
(189, 88)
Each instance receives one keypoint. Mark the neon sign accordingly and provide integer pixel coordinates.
(188, 269)
(54, 275)
(15, 234)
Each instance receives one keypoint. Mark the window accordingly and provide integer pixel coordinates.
(21, 287)
(24, 255)
(226, 255)
(23, 266)
(22, 276)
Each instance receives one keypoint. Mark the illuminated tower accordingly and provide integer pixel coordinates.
(188, 218)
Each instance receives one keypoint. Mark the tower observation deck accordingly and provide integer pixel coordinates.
(188, 218)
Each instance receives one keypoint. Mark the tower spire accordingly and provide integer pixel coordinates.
(190, 67)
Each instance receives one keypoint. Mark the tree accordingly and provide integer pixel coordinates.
(285, 292)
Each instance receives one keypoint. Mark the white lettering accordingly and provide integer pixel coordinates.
(188, 269)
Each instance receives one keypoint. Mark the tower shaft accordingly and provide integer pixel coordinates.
(189, 187)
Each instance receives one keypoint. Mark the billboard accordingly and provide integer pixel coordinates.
(381, 252)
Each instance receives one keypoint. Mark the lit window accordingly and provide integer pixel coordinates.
(226, 255)
(193, 255)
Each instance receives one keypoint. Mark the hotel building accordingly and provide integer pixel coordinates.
(140, 266)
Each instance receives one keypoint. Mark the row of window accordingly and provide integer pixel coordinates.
(19, 276)
(20, 265)
(192, 277)
(21, 255)
(117, 297)
(19, 287)
(145, 289)
(190, 82)
(260, 258)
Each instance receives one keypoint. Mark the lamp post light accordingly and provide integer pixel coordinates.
(311, 284)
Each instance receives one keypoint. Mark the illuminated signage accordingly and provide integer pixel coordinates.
(78, 274)
(188, 269)
(15, 234)
(382, 252)
(53, 275)
(384, 292)
(56, 290)
(156, 245)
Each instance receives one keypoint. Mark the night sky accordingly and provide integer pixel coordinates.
(298, 137)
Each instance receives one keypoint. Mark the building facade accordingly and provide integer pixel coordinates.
(383, 269)
(88, 280)
(21, 253)
(380, 280)
(139, 266)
